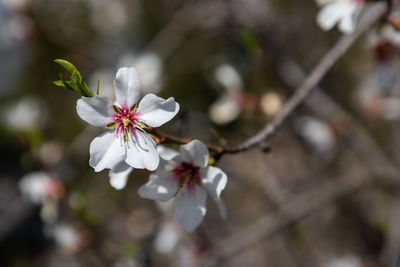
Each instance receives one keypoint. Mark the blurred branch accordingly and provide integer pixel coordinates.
(311, 81)
(186, 18)
(289, 214)
(372, 16)
(296, 210)
(303, 206)
(169, 38)
(352, 130)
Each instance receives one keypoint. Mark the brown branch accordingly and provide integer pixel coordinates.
(310, 83)
(303, 206)
(352, 130)
(161, 138)
(307, 87)
(289, 214)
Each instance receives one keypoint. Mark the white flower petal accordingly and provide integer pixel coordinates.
(119, 175)
(167, 153)
(190, 208)
(348, 23)
(142, 151)
(154, 111)
(161, 186)
(106, 150)
(332, 13)
(127, 87)
(214, 181)
(195, 152)
(96, 110)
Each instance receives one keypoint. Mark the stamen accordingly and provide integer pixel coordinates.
(111, 125)
(125, 121)
(133, 108)
(116, 109)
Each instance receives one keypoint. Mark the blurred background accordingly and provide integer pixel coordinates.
(327, 194)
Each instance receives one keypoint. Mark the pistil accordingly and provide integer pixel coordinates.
(125, 121)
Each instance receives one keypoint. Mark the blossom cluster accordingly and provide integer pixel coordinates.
(125, 145)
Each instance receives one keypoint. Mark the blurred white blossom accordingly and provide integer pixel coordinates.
(342, 12)
(389, 33)
(25, 115)
(270, 103)
(167, 238)
(109, 17)
(149, 67)
(66, 236)
(186, 177)
(227, 76)
(228, 107)
(390, 108)
(40, 186)
(317, 133)
(224, 110)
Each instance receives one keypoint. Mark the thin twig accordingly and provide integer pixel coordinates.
(304, 206)
(353, 130)
(307, 87)
(310, 83)
(289, 214)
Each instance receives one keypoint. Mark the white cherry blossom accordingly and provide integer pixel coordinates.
(186, 177)
(342, 12)
(125, 144)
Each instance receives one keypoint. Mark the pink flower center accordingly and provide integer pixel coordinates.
(125, 121)
(358, 2)
(186, 174)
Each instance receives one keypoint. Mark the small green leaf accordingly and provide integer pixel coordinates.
(59, 83)
(111, 125)
(98, 87)
(67, 65)
(75, 83)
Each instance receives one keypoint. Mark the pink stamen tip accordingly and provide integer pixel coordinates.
(125, 120)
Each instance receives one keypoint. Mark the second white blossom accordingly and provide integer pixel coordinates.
(188, 177)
